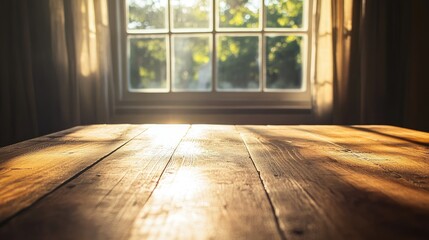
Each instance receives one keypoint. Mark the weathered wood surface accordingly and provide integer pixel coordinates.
(217, 182)
(399, 156)
(210, 190)
(334, 192)
(103, 201)
(31, 169)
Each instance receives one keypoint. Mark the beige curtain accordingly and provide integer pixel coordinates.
(82, 28)
(346, 19)
(323, 61)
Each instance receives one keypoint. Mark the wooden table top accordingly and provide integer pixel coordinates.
(217, 182)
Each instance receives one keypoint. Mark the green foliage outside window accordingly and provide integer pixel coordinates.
(237, 57)
(147, 64)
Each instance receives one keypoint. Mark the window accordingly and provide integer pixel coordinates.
(215, 53)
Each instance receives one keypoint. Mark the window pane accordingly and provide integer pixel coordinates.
(147, 14)
(238, 63)
(147, 63)
(284, 13)
(192, 64)
(191, 13)
(239, 13)
(284, 62)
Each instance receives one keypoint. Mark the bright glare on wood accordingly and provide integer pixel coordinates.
(186, 183)
(217, 182)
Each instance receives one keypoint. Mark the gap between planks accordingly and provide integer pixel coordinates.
(336, 167)
(43, 207)
(166, 165)
(406, 160)
(231, 201)
(65, 182)
(213, 185)
(276, 217)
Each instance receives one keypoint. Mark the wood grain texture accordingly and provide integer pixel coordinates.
(409, 135)
(102, 202)
(400, 156)
(322, 191)
(33, 168)
(210, 190)
(217, 182)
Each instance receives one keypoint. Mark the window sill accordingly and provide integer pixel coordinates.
(215, 107)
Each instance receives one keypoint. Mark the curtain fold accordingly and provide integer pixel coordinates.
(346, 28)
(89, 51)
(323, 61)
(385, 61)
(370, 62)
(17, 86)
(373, 55)
(55, 66)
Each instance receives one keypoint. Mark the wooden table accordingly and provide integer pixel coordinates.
(217, 182)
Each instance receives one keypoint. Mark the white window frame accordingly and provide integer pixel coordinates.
(132, 99)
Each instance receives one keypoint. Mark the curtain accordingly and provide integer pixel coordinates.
(379, 72)
(417, 88)
(323, 60)
(17, 86)
(364, 83)
(55, 66)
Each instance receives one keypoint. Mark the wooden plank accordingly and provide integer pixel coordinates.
(210, 190)
(321, 192)
(103, 201)
(31, 169)
(20, 148)
(97, 132)
(402, 158)
(405, 134)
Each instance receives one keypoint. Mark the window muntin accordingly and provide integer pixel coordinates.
(269, 86)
